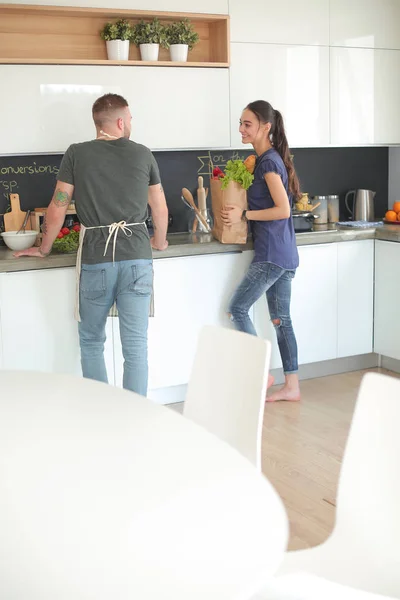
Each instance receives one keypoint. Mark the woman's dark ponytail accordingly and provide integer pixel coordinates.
(266, 114)
(280, 143)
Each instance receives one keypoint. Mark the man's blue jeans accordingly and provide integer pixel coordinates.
(129, 283)
(276, 283)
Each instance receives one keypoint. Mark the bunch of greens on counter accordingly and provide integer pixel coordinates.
(236, 170)
(67, 240)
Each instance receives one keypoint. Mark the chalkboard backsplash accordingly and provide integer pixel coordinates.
(321, 171)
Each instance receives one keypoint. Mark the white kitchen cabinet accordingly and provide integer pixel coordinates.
(38, 329)
(167, 109)
(355, 297)
(189, 293)
(179, 107)
(387, 294)
(365, 95)
(313, 307)
(314, 303)
(294, 79)
(365, 23)
(295, 22)
(206, 6)
(60, 104)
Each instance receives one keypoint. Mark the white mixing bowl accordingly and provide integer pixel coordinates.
(19, 241)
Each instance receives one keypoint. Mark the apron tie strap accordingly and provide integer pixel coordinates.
(113, 230)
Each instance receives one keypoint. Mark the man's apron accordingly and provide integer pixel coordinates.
(113, 231)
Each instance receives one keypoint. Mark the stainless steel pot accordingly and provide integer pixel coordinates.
(303, 221)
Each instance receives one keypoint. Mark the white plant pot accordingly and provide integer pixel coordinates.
(149, 51)
(118, 50)
(178, 52)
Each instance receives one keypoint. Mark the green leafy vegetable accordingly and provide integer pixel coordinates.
(121, 30)
(236, 171)
(68, 243)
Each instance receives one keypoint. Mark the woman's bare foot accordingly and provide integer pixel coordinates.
(290, 394)
(271, 381)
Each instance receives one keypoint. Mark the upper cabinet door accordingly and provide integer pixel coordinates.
(205, 6)
(365, 23)
(365, 96)
(49, 107)
(294, 79)
(176, 107)
(171, 107)
(293, 22)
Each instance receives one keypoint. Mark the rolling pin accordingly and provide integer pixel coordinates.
(201, 198)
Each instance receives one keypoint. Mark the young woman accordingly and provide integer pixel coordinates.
(270, 197)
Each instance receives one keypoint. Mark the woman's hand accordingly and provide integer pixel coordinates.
(231, 215)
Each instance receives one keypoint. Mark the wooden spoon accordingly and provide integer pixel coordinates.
(190, 200)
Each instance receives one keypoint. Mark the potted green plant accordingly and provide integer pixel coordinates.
(149, 36)
(181, 37)
(117, 37)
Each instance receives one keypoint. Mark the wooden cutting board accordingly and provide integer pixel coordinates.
(14, 219)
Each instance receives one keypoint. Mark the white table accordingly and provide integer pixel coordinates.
(107, 496)
(306, 586)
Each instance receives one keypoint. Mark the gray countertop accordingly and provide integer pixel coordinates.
(388, 233)
(186, 244)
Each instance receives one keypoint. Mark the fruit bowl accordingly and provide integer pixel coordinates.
(19, 241)
(392, 216)
(391, 222)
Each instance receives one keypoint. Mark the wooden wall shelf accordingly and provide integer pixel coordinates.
(35, 34)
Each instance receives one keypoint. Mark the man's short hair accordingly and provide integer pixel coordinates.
(106, 107)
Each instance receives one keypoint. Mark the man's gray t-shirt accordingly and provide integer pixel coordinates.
(111, 179)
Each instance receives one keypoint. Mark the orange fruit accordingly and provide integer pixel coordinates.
(396, 207)
(391, 216)
(398, 216)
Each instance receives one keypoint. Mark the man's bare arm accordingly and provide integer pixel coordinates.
(53, 220)
(55, 215)
(159, 213)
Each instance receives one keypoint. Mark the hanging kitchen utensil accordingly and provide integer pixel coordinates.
(15, 218)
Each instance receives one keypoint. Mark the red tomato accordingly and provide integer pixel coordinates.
(76, 227)
(60, 235)
(65, 231)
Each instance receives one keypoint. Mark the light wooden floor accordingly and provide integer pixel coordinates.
(303, 445)
(302, 449)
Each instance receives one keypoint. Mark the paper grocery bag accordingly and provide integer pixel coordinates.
(234, 195)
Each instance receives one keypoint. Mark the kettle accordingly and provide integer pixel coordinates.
(363, 205)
